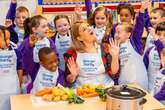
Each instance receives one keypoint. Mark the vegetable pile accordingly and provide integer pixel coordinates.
(59, 94)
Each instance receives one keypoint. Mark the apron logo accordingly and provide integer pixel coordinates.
(6, 61)
(47, 77)
(64, 43)
(39, 46)
(89, 63)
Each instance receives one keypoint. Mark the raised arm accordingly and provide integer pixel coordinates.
(147, 20)
(77, 13)
(138, 29)
(12, 11)
(88, 5)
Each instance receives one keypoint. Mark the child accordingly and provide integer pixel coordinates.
(10, 69)
(132, 69)
(37, 28)
(159, 86)
(154, 55)
(17, 16)
(49, 75)
(127, 14)
(157, 15)
(102, 21)
(89, 62)
(62, 38)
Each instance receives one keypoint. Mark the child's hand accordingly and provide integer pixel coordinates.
(32, 40)
(114, 47)
(8, 23)
(73, 68)
(13, 1)
(152, 32)
(25, 79)
(78, 10)
(144, 5)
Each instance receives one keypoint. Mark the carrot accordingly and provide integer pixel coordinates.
(79, 91)
(43, 92)
(93, 94)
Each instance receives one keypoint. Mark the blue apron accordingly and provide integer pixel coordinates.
(92, 70)
(149, 42)
(159, 81)
(44, 78)
(20, 33)
(132, 68)
(153, 67)
(38, 45)
(99, 33)
(8, 78)
(63, 43)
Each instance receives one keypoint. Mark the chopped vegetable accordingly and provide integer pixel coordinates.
(72, 97)
(75, 99)
(87, 90)
(101, 93)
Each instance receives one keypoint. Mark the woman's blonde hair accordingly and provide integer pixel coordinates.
(77, 44)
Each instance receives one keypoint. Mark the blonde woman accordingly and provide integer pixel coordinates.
(87, 61)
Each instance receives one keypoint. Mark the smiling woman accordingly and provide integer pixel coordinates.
(87, 61)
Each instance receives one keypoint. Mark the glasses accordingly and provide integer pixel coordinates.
(84, 27)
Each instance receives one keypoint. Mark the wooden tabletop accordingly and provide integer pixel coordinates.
(24, 102)
(30, 102)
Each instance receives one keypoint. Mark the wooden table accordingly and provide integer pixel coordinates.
(24, 102)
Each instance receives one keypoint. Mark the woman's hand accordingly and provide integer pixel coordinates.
(73, 68)
(114, 47)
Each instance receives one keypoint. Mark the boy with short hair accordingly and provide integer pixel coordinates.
(17, 15)
(157, 15)
(49, 75)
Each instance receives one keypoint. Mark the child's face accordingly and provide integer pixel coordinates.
(125, 15)
(42, 29)
(20, 18)
(100, 19)
(62, 26)
(4, 39)
(121, 35)
(161, 35)
(155, 19)
(86, 33)
(50, 62)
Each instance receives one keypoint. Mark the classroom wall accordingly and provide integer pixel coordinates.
(4, 4)
(35, 9)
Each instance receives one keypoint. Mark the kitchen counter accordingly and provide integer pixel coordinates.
(29, 102)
